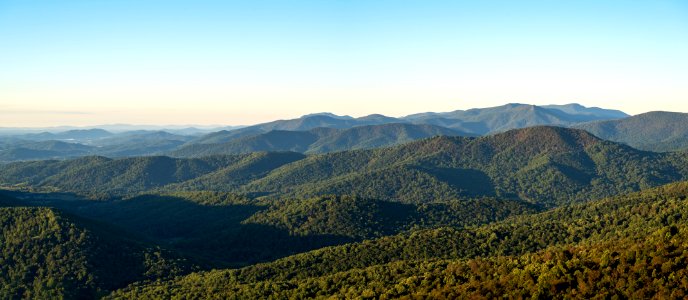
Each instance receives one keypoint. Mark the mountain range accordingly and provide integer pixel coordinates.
(479, 121)
(542, 165)
(483, 121)
(313, 133)
(484, 203)
(320, 140)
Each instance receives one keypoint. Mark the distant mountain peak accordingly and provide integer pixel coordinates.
(327, 114)
(516, 104)
(374, 116)
(576, 105)
(379, 117)
(575, 108)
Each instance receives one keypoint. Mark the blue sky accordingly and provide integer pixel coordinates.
(242, 62)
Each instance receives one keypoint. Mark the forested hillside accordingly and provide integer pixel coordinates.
(653, 131)
(318, 140)
(628, 246)
(219, 229)
(546, 165)
(540, 165)
(102, 176)
(343, 149)
(47, 254)
(438, 217)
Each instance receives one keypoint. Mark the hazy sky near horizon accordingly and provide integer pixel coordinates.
(242, 62)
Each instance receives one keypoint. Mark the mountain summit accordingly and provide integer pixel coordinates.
(482, 121)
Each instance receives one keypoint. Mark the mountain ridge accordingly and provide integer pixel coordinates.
(319, 140)
(476, 121)
(545, 165)
(653, 131)
(189, 142)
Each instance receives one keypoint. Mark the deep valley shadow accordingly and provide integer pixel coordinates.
(468, 182)
(212, 235)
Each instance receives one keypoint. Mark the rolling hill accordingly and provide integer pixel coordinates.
(304, 123)
(377, 136)
(89, 142)
(541, 165)
(139, 143)
(319, 140)
(545, 165)
(477, 121)
(77, 135)
(101, 176)
(652, 131)
(43, 150)
(220, 229)
(628, 246)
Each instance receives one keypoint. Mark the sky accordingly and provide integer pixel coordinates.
(244, 62)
